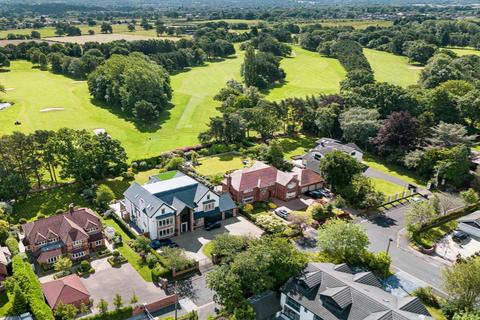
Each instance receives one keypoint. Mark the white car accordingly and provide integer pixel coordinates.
(282, 213)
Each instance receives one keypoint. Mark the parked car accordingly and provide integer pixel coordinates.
(212, 225)
(282, 213)
(459, 236)
(416, 199)
(327, 193)
(157, 244)
(315, 194)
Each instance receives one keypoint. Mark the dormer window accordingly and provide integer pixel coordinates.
(208, 197)
(90, 230)
(77, 243)
(163, 210)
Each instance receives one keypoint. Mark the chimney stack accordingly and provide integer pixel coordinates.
(71, 208)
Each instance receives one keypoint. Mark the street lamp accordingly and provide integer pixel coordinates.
(390, 240)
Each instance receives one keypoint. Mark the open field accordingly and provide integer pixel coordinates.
(35, 90)
(308, 73)
(50, 31)
(356, 24)
(391, 68)
(465, 51)
(104, 38)
(386, 187)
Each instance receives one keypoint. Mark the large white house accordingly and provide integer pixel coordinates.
(164, 208)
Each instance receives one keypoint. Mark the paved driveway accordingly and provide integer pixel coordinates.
(373, 173)
(193, 241)
(449, 249)
(108, 281)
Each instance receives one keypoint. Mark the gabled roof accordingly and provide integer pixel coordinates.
(67, 290)
(339, 294)
(179, 192)
(5, 255)
(473, 217)
(69, 226)
(307, 177)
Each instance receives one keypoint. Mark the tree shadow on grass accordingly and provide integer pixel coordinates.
(118, 186)
(277, 85)
(4, 70)
(47, 202)
(292, 143)
(140, 125)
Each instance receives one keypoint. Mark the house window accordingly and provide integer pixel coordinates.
(165, 232)
(98, 242)
(293, 304)
(291, 195)
(90, 230)
(165, 222)
(208, 197)
(248, 200)
(163, 210)
(208, 206)
(77, 255)
(291, 185)
(290, 314)
(77, 243)
(53, 240)
(40, 243)
(317, 156)
(52, 259)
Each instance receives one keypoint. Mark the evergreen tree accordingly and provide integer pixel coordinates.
(249, 69)
(19, 301)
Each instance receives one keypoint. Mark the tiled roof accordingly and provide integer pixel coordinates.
(265, 305)
(307, 177)
(338, 294)
(67, 290)
(69, 226)
(5, 255)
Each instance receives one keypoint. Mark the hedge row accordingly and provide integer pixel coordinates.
(124, 226)
(120, 314)
(28, 282)
(451, 216)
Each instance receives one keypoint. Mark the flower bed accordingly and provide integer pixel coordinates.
(116, 261)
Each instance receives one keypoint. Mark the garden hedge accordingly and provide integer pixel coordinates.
(120, 314)
(28, 282)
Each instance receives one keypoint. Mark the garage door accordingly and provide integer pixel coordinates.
(228, 214)
(312, 187)
(214, 217)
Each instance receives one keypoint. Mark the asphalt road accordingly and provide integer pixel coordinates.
(426, 269)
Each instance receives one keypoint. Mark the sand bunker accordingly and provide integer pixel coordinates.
(415, 68)
(5, 105)
(52, 109)
(99, 131)
(9, 89)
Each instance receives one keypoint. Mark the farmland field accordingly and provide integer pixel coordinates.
(391, 68)
(308, 73)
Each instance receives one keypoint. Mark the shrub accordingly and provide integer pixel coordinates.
(103, 195)
(272, 205)
(248, 208)
(269, 224)
(120, 314)
(85, 265)
(127, 175)
(176, 257)
(159, 272)
(427, 296)
(151, 260)
(12, 245)
(174, 164)
(378, 263)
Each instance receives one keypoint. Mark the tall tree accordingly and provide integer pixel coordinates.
(462, 282)
(338, 169)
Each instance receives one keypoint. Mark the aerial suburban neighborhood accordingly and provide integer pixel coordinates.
(239, 160)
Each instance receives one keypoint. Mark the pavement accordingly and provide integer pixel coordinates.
(449, 249)
(107, 281)
(192, 242)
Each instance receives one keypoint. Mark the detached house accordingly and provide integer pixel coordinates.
(327, 291)
(164, 208)
(74, 233)
(262, 182)
(326, 145)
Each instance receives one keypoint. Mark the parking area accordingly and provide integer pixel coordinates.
(297, 204)
(450, 250)
(192, 242)
(107, 281)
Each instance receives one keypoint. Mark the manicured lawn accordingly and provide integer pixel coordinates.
(219, 164)
(386, 187)
(391, 68)
(393, 170)
(207, 249)
(132, 257)
(5, 304)
(47, 203)
(297, 145)
(35, 90)
(428, 237)
(308, 73)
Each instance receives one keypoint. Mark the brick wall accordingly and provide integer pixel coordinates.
(156, 305)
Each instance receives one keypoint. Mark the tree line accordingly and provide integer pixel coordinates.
(42, 158)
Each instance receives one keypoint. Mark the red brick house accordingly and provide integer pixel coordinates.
(74, 233)
(67, 290)
(262, 182)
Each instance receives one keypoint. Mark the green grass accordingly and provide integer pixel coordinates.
(5, 304)
(132, 257)
(219, 164)
(193, 106)
(428, 237)
(436, 313)
(391, 68)
(393, 170)
(50, 31)
(297, 145)
(386, 187)
(47, 203)
(308, 73)
(465, 51)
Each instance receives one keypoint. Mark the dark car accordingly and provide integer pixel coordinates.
(315, 194)
(458, 236)
(157, 244)
(212, 225)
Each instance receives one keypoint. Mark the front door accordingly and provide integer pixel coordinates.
(184, 227)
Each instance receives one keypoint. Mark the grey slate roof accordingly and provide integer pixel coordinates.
(178, 192)
(226, 202)
(338, 294)
(325, 146)
(265, 305)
